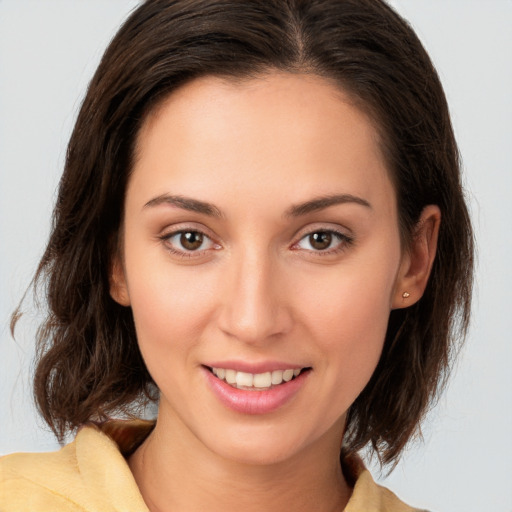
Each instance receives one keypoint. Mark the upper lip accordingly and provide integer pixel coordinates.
(254, 367)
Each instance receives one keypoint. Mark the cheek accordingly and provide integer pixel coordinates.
(353, 298)
(170, 304)
(170, 312)
(348, 315)
(350, 337)
(351, 326)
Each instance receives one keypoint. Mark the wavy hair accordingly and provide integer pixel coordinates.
(88, 361)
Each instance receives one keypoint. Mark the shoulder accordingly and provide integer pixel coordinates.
(89, 474)
(367, 495)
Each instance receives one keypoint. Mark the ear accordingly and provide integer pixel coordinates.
(417, 261)
(118, 285)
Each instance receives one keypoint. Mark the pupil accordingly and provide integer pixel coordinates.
(191, 240)
(321, 240)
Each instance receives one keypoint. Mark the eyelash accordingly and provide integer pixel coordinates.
(343, 240)
(165, 238)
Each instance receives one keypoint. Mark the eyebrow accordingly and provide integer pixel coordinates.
(320, 203)
(185, 203)
(316, 204)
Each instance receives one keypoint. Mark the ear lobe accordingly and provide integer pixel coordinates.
(118, 285)
(417, 262)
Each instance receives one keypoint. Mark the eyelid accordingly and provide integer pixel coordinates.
(183, 227)
(329, 227)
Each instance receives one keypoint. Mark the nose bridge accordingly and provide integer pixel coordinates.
(254, 307)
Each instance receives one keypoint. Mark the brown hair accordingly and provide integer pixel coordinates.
(89, 364)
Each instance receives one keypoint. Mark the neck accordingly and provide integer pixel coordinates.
(185, 476)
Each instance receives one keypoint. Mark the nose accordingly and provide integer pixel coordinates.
(255, 306)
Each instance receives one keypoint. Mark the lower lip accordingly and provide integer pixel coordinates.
(255, 402)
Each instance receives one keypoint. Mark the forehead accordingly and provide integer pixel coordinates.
(216, 98)
(279, 130)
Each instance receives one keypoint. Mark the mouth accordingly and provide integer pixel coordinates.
(256, 381)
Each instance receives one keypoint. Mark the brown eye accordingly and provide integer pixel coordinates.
(189, 243)
(321, 240)
(324, 241)
(191, 240)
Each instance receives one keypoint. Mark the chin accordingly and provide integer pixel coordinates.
(264, 445)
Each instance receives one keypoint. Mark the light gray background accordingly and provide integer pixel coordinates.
(48, 52)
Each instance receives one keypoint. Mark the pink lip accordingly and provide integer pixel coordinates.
(254, 402)
(244, 366)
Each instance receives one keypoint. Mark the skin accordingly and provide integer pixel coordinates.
(257, 289)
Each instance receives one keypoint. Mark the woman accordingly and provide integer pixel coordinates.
(261, 219)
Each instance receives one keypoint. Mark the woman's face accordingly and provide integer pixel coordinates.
(260, 237)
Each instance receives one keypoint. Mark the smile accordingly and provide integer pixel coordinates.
(255, 381)
(255, 393)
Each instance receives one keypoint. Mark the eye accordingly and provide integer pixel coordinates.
(323, 241)
(184, 242)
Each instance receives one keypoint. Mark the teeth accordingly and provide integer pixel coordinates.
(277, 377)
(287, 375)
(262, 380)
(265, 380)
(230, 376)
(244, 379)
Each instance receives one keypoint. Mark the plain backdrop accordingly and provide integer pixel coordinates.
(48, 52)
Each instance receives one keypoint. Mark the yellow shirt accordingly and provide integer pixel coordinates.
(91, 475)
